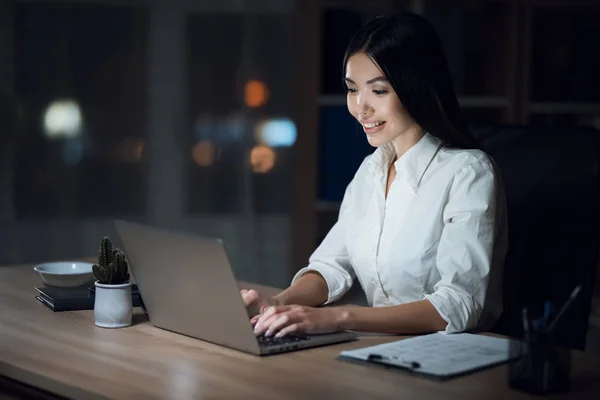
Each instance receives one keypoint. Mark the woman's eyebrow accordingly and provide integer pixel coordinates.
(377, 79)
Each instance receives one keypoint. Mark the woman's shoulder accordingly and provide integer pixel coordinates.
(467, 158)
(365, 167)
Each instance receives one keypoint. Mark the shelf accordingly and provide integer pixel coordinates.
(331, 100)
(328, 206)
(564, 108)
(465, 101)
(483, 101)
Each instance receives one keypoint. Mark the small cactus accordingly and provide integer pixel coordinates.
(112, 267)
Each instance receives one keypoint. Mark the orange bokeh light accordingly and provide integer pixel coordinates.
(256, 93)
(130, 150)
(203, 153)
(262, 159)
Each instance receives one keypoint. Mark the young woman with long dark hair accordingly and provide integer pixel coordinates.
(423, 223)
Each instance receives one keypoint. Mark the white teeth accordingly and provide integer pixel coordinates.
(374, 124)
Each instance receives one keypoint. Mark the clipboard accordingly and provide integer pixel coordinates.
(438, 356)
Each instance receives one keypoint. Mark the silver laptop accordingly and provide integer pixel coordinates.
(187, 286)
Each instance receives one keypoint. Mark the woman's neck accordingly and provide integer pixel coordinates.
(407, 139)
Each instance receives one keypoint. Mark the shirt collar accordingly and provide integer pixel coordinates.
(412, 164)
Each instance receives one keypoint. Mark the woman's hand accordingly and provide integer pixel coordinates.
(255, 303)
(282, 320)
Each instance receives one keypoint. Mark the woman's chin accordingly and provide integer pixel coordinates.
(376, 140)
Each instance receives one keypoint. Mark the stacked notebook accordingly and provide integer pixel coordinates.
(78, 298)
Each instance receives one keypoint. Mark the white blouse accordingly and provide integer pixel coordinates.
(440, 235)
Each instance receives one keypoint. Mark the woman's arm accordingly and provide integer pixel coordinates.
(329, 264)
(410, 318)
(470, 255)
(309, 290)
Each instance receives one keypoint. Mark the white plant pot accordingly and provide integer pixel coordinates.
(112, 305)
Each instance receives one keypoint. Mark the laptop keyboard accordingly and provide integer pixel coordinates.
(269, 341)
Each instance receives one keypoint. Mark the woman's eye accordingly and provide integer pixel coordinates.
(351, 90)
(380, 91)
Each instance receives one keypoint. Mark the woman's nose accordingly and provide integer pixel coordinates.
(362, 105)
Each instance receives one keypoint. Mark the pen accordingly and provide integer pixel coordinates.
(564, 308)
(379, 358)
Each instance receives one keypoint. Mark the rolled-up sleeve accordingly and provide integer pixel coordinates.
(331, 259)
(464, 258)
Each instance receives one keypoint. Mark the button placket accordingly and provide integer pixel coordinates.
(381, 205)
(377, 253)
(385, 210)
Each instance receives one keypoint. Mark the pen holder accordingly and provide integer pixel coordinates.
(539, 366)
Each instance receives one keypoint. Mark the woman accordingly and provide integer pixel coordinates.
(422, 225)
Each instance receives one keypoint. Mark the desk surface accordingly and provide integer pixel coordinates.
(66, 354)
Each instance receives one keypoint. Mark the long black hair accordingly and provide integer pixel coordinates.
(408, 51)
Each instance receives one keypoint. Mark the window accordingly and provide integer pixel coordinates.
(240, 98)
(80, 85)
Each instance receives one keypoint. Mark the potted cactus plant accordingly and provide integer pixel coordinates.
(112, 304)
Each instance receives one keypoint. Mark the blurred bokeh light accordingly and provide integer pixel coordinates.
(279, 132)
(262, 159)
(256, 93)
(62, 119)
(203, 153)
(131, 150)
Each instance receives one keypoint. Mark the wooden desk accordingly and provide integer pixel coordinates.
(66, 354)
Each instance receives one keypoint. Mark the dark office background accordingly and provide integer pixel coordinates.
(194, 114)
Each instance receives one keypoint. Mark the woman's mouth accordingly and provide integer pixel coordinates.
(373, 127)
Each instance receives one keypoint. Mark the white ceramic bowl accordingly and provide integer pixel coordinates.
(66, 273)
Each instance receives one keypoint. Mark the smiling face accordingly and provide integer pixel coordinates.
(374, 103)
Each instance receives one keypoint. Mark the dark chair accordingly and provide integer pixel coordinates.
(552, 181)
